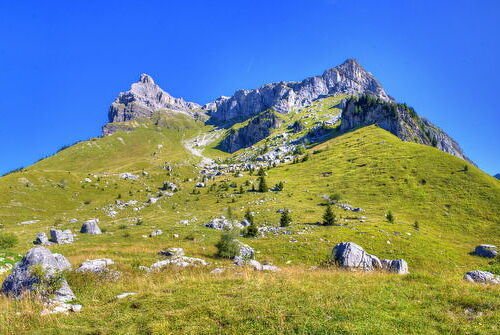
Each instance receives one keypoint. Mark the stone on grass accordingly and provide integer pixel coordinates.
(95, 265)
(61, 237)
(124, 295)
(157, 232)
(22, 280)
(486, 250)
(91, 227)
(181, 261)
(398, 266)
(172, 252)
(41, 239)
(351, 256)
(483, 277)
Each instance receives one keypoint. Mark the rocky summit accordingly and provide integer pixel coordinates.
(285, 96)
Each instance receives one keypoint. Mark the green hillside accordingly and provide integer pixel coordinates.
(443, 208)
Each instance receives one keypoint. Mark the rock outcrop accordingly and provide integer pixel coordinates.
(398, 119)
(61, 237)
(283, 97)
(497, 176)
(350, 256)
(142, 101)
(22, 279)
(257, 129)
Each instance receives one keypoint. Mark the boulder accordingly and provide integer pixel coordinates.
(157, 232)
(172, 252)
(245, 251)
(91, 227)
(221, 223)
(21, 280)
(484, 277)
(169, 186)
(200, 184)
(486, 250)
(41, 239)
(351, 256)
(181, 261)
(95, 265)
(61, 237)
(398, 266)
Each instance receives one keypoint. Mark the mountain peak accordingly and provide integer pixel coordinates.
(141, 102)
(283, 97)
(146, 79)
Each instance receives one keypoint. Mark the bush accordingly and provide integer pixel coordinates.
(8, 240)
(263, 184)
(46, 285)
(228, 247)
(390, 217)
(285, 219)
(329, 218)
(334, 198)
(251, 231)
(279, 186)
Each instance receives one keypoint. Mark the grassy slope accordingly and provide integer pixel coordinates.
(371, 169)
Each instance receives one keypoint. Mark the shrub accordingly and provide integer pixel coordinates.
(329, 218)
(279, 186)
(8, 240)
(263, 184)
(251, 231)
(285, 219)
(416, 225)
(334, 198)
(390, 217)
(228, 247)
(46, 285)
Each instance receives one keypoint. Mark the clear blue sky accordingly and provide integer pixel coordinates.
(63, 62)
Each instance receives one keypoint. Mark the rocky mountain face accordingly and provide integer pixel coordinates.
(257, 129)
(497, 176)
(398, 119)
(283, 97)
(142, 101)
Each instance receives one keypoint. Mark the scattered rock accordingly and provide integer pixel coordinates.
(486, 250)
(398, 266)
(157, 232)
(351, 256)
(484, 277)
(127, 175)
(91, 227)
(169, 186)
(182, 261)
(200, 184)
(221, 223)
(124, 295)
(41, 239)
(21, 280)
(61, 237)
(95, 265)
(217, 271)
(172, 252)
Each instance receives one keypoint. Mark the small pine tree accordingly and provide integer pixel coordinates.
(249, 217)
(329, 218)
(279, 186)
(229, 212)
(285, 219)
(466, 168)
(251, 231)
(263, 184)
(261, 172)
(390, 217)
(416, 225)
(241, 189)
(227, 247)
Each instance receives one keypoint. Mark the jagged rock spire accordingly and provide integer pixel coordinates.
(143, 99)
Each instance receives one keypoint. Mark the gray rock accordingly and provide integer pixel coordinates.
(221, 223)
(181, 261)
(399, 120)
(483, 277)
(21, 279)
(351, 256)
(124, 295)
(398, 266)
(257, 129)
(486, 250)
(142, 101)
(157, 232)
(245, 251)
(91, 227)
(169, 186)
(61, 237)
(200, 184)
(172, 252)
(271, 268)
(217, 271)
(41, 239)
(284, 97)
(95, 265)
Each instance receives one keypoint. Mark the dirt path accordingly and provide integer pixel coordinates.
(196, 146)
